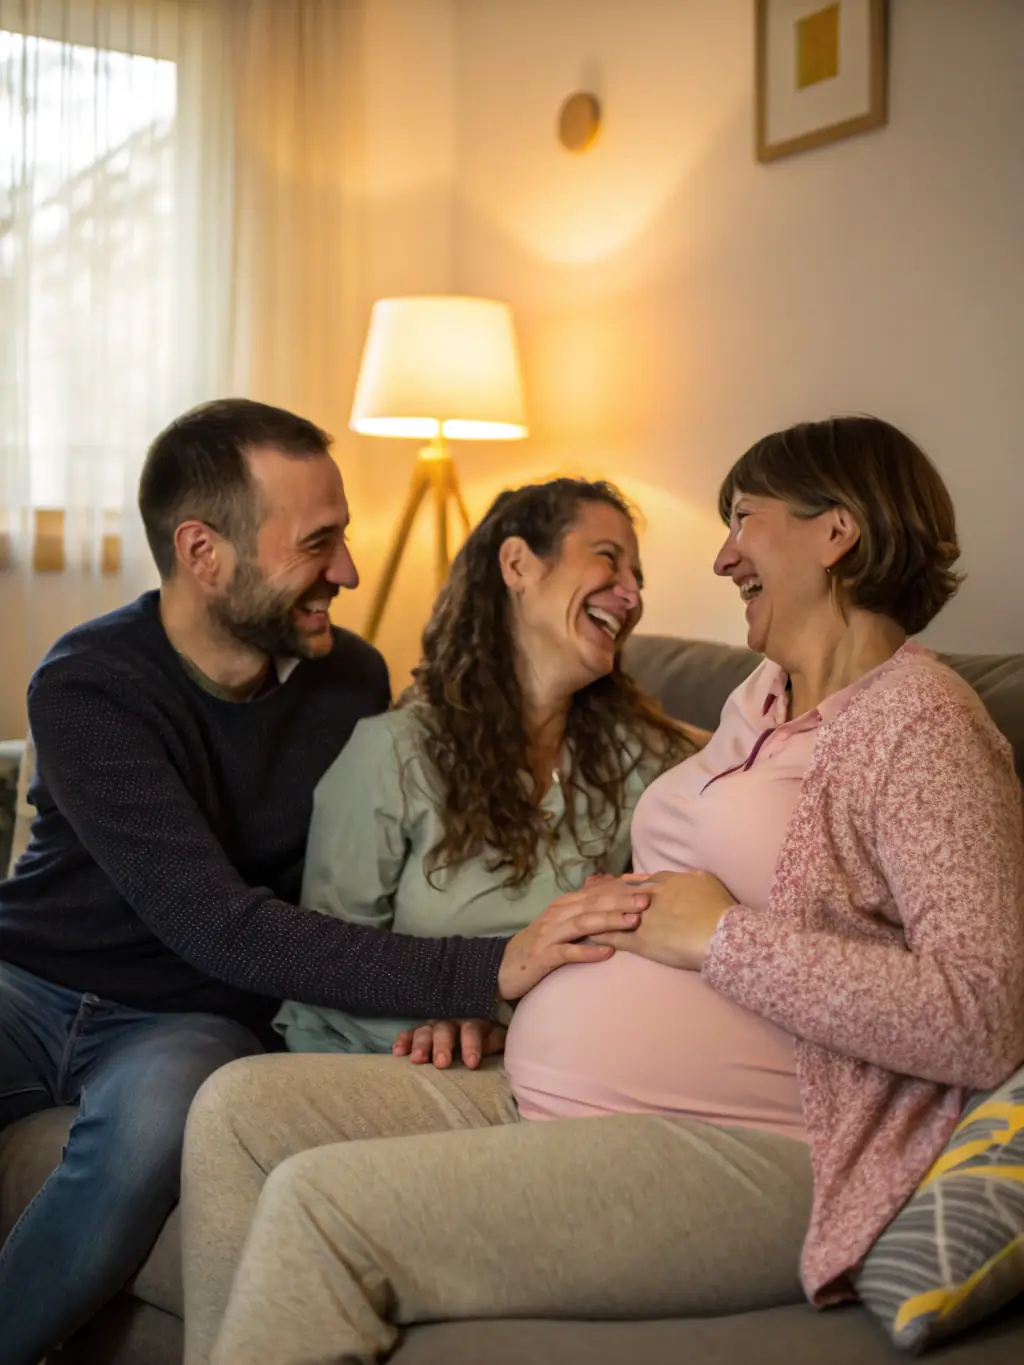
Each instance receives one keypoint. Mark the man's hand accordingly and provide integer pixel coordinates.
(686, 909)
(437, 1040)
(555, 937)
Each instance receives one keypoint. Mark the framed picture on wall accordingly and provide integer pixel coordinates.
(821, 72)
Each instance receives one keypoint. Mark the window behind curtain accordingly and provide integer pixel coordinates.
(110, 286)
(88, 270)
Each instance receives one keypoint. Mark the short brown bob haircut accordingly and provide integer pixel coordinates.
(902, 565)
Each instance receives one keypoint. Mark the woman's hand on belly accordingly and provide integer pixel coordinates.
(685, 910)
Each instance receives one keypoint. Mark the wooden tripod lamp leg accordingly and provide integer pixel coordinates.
(421, 480)
(434, 471)
(446, 490)
(439, 479)
(456, 494)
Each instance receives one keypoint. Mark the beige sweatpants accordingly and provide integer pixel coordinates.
(329, 1200)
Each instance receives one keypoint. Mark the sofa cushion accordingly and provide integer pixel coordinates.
(29, 1151)
(127, 1332)
(796, 1335)
(955, 1253)
(132, 1333)
(998, 680)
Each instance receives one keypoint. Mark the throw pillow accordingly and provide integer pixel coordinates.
(954, 1254)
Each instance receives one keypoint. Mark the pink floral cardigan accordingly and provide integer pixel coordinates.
(892, 947)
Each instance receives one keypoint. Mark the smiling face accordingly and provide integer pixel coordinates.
(779, 563)
(573, 612)
(278, 598)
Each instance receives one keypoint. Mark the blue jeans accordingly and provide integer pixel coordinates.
(133, 1075)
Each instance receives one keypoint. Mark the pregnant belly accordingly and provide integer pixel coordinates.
(632, 1036)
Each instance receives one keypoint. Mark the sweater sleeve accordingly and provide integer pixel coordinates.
(111, 775)
(948, 838)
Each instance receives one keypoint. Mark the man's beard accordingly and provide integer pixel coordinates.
(257, 615)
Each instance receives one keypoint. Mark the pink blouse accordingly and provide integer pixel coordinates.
(629, 1035)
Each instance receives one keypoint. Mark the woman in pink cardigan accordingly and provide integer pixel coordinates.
(832, 957)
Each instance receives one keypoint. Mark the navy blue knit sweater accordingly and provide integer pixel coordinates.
(167, 850)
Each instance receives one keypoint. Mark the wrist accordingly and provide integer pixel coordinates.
(499, 983)
(502, 1011)
(715, 936)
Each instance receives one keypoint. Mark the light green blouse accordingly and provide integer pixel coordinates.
(375, 820)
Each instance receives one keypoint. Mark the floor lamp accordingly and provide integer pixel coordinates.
(440, 368)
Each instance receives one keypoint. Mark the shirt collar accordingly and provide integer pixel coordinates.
(834, 705)
(775, 702)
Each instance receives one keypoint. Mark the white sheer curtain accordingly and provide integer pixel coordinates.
(303, 259)
(297, 313)
(115, 223)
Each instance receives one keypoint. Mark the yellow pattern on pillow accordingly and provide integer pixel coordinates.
(954, 1254)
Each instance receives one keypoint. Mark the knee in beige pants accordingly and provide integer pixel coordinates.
(251, 1116)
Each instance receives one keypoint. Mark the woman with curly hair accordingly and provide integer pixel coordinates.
(509, 772)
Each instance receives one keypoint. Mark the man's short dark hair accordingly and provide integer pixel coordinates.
(197, 468)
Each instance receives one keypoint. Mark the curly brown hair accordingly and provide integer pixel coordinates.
(472, 703)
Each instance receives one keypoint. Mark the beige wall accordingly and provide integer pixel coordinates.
(676, 299)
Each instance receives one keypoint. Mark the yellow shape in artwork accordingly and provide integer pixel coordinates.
(817, 47)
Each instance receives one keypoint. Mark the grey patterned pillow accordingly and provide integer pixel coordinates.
(954, 1254)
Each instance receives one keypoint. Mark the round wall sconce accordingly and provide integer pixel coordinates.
(579, 122)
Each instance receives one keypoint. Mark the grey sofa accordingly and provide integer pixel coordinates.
(143, 1326)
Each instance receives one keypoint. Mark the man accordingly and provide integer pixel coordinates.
(150, 928)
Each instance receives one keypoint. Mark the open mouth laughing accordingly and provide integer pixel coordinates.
(749, 588)
(314, 613)
(606, 621)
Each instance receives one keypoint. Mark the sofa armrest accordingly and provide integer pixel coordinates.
(20, 754)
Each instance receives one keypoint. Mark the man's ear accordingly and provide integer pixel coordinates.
(518, 563)
(843, 535)
(201, 553)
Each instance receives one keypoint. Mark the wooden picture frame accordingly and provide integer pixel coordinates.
(821, 72)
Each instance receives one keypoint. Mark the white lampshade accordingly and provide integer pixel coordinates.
(443, 365)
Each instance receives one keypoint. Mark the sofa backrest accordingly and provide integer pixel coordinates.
(693, 678)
